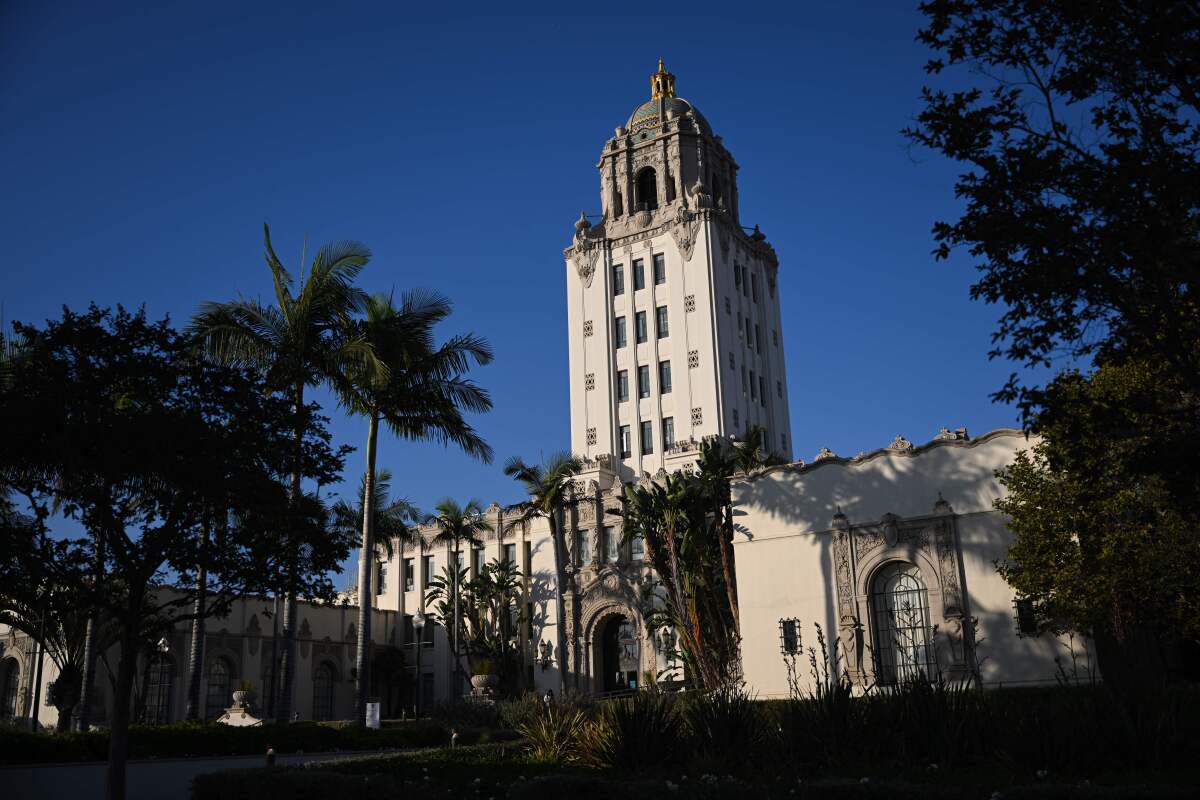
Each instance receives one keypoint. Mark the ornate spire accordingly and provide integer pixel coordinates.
(662, 83)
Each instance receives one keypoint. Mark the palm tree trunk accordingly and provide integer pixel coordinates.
(89, 642)
(118, 741)
(196, 651)
(725, 540)
(366, 563)
(287, 665)
(560, 613)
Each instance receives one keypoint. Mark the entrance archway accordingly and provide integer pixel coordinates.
(619, 655)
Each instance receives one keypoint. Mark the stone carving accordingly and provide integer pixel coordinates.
(589, 381)
(697, 416)
(891, 532)
(585, 250)
(824, 454)
(684, 230)
(900, 443)
(689, 302)
(948, 566)
(591, 436)
(693, 359)
(947, 435)
(587, 327)
(841, 563)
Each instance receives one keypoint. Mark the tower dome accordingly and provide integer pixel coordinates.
(663, 102)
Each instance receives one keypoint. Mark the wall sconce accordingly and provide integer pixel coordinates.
(545, 655)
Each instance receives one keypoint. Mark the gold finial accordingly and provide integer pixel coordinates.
(662, 83)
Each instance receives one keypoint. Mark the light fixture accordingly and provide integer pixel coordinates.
(545, 655)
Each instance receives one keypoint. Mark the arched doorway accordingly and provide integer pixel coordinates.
(619, 655)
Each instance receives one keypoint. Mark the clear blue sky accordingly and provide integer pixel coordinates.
(142, 148)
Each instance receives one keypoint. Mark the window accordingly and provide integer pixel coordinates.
(749, 338)
(160, 686)
(745, 283)
(754, 287)
(619, 332)
(660, 269)
(660, 322)
(622, 385)
(426, 569)
(647, 438)
(668, 436)
(762, 391)
(427, 698)
(664, 377)
(900, 608)
(789, 637)
(643, 381)
(737, 275)
(510, 554)
(779, 388)
(775, 337)
(639, 275)
(10, 676)
(639, 325)
(783, 442)
(409, 634)
(218, 697)
(409, 575)
(480, 558)
(744, 381)
(735, 419)
(618, 279)
(583, 548)
(647, 190)
(626, 449)
(323, 692)
(728, 308)
(739, 318)
(427, 633)
(758, 338)
(753, 387)
(381, 579)
(611, 543)
(637, 547)
(732, 363)
(1026, 619)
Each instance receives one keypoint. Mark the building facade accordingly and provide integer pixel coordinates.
(675, 334)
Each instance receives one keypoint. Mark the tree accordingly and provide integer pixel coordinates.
(1079, 133)
(1104, 510)
(392, 517)
(487, 609)
(125, 431)
(458, 525)
(294, 344)
(549, 486)
(419, 391)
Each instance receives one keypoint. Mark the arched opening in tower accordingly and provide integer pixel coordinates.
(647, 190)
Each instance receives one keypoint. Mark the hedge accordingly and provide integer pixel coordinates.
(195, 739)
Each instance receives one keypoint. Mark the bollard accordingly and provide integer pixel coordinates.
(453, 738)
(270, 756)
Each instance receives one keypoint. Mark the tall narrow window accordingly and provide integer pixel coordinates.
(611, 544)
(619, 332)
(639, 275)
(381, 579)
(758, 337)
(664, 377)
(774, 337)
(749, 338)
(647, 438)
(753, 287)
(622, 385)
(409, 630)
(745, 282)
(160, 687)
(583, 548)
(643, 381)
(647, 190)
(409, 575)
(218, 698)
(10, 677)
(779, 389)
(660, 268)
(668, 425)
(426, 569)
(762, 391)
(900, 606)
(745, 383)
(753, 387)
(737, 275)
(510, 554)
(479, 558)
(660, 323)
(639, 326)
(789, 636)
(323, 692)
(626, 446)
(728, 307)
(618, 279)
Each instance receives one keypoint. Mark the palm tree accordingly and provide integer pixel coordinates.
(297, 343)
(420, 394)
(549, 486)
(391, 516)
(456, 525)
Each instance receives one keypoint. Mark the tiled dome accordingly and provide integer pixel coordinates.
(646, 115)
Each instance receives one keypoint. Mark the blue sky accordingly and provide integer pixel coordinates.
(143, 147)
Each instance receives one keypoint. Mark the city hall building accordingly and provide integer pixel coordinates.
(675, 334)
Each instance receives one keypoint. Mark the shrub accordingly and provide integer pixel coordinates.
(555, 735)
(727, 730)
(634, 732)
(520, 711)
(467, 714)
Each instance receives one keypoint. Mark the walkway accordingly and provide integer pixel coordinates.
(157, 779)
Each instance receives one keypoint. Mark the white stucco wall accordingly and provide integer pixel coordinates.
(784, 551)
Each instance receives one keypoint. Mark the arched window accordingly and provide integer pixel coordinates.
(218, 697)
(160, 686)
(647, 189)
(10, 677)
(323, 692)
(900, 607)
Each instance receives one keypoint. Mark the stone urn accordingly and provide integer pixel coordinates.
(488, 682)
(239, 698)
